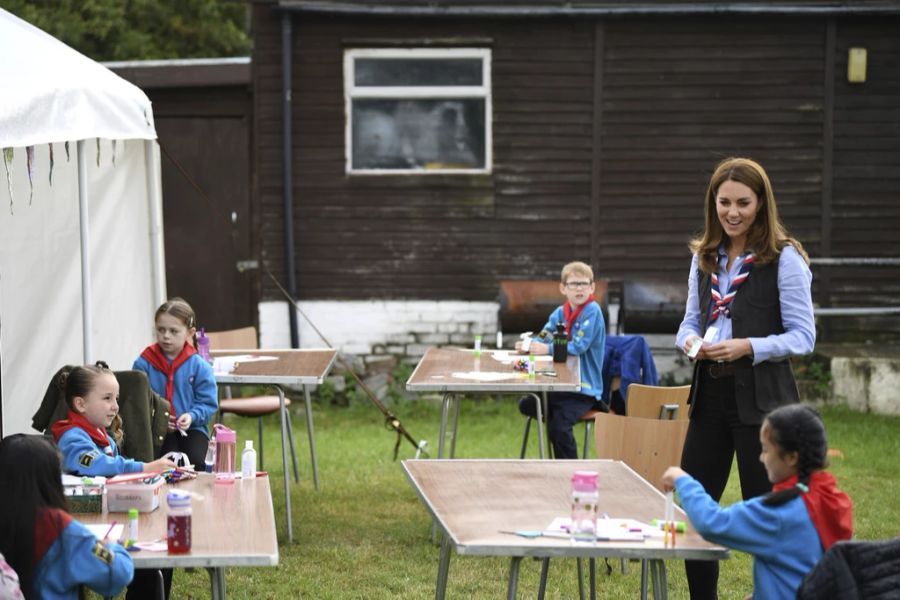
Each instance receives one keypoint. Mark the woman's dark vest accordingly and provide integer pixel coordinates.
(755, 312)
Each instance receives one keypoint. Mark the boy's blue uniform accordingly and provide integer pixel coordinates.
(193, 389)
(70, 556)
(82, 456)
(587, 341)
(782, 539)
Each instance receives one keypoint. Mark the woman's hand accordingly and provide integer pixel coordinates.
(669, 477)
(160, 464)
(727, 350)
(535, 349)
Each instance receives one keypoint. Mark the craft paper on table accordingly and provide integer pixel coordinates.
(613, 530)
(508, 357)
(484, 375)
(100, 529)
(227, 364)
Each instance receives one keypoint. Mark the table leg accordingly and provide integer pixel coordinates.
(445, 405)
(217, 582)
(580, 579)
(540, 410)
(658, 575)
(513, 577)
(284, 464)
(542, 586)
(455, 426)
(312, 437)
(443, 569)
(545, 430)
(644, 574)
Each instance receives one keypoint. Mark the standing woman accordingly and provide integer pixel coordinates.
(749, 294)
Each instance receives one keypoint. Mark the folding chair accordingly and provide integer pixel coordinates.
(657, 402)
(251, 406)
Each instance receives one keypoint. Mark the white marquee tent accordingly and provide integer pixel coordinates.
(81, 258)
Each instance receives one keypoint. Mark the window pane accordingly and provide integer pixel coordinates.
(417, 71)
(418, 134)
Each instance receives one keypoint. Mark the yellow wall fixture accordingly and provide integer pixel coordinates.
(856, 65)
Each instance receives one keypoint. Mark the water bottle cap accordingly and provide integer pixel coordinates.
(248, 445)
(132, 513)
(178, 500)
(223, 434)
(202, 336)
(585, 481)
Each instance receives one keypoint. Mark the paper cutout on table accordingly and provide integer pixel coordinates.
(100, 529)
(154, 546)
(226, 364)
(508, 357)
(485, 375)
(612, 530)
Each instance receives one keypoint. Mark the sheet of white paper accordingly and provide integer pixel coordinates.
(627, 530)
(226, 364)
(484, 375)
(99, 530)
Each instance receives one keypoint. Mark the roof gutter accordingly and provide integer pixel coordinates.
(500, 11)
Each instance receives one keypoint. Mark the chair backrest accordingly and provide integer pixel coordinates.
(648, 446)
(233, 339)
(656, 402)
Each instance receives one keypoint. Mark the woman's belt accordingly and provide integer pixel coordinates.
(718, 370)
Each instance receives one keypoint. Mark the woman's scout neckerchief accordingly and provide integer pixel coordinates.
(723, 302)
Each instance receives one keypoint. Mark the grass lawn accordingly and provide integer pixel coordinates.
(365, 534)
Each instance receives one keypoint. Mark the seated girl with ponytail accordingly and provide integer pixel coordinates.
(789, 529)
(92, 395)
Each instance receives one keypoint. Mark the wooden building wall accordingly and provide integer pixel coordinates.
(605, 133)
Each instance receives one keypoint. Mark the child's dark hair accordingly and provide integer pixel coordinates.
(181, 310)
(31, 481)
(79, 381)
(797, 428)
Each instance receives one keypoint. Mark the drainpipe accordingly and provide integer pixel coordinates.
(287, 39)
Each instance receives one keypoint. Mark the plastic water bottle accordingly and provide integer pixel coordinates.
(226, 448)
(248, 461)
(203, 345)
(560, 344)
(584, 506)
(210, 459)
(178, 522)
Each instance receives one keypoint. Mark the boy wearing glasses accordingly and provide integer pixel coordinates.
(586, 331)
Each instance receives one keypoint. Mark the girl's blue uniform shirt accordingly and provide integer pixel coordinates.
(194, 390)
(83, 457)
(588, 343)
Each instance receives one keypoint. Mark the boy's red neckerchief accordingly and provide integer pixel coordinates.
(160, 362)
(73, 420)
(830, 509)
(570, 315)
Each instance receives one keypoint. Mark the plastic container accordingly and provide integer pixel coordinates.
(203, 345)
(178, 522)
(560, 344)
(531, 367)
(584, 506)
(477, 350)
(226, 447)
(248, 461)
(210, 459)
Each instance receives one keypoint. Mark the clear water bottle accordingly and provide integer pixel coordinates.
(584, 506)
(226, 447)
(210, 459)
(248, 461)
(560, 344)
(203, 345)
(179, 522)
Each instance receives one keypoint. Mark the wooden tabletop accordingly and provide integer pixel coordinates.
(473, 500)
(233, 525)
(292, 367)
(458, 369)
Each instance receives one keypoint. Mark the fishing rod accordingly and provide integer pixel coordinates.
(390, 419)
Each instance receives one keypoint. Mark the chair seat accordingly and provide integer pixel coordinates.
(253, 406)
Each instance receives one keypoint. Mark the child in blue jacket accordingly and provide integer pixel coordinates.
(181, 376)
(586, 331)
(788, 530)
(53, 554)
(92, 395)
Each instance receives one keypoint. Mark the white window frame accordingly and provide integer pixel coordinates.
(351, 92)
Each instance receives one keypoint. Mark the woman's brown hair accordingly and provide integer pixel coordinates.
(767, 235)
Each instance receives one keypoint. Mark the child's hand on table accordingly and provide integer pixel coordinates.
(669, 477)
(160, 464)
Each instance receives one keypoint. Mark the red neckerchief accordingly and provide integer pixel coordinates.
(98, 434)
(571, 315)
(830, 509)
(157, 358)
(49, 524)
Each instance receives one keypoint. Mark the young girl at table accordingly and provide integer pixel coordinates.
(92, 395)
(53, 554)
(180, 375)
(787, 530)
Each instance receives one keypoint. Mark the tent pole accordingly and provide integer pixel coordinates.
(85, 252)
(157, 248)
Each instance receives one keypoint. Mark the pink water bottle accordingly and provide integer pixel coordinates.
(584, 506)
(226, 447)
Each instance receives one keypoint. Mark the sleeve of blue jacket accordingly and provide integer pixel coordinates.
(83, 457)
(76, 558)
(206, 394)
